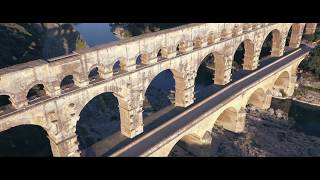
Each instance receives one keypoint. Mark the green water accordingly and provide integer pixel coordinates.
(306, 117)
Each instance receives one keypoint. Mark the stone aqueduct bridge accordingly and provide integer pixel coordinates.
(192, 128)
(180, 49)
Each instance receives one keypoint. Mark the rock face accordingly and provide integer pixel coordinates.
(24, 42)
(308, 89)
(267, 133)
(60, 39)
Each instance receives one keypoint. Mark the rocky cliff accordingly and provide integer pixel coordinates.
(23, 42)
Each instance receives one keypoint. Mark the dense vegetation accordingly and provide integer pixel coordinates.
(312, 64)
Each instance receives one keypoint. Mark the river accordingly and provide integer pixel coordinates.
(306, 117)
(95, 33)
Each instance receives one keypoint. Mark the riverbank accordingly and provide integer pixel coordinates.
(268, 133)
(308, 90)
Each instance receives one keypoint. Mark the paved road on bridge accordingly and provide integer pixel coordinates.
(150, 139)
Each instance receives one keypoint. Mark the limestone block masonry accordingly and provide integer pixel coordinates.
(179, 49)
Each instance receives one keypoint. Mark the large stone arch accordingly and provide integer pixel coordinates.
(260, 98)
(231, 120)
(310, 28)
(180, 85)
(250, 58)
(296, 35)
(195, 142)
(282, 84)
(38, 141)
(278, 42)
(129, 103)
(202, 60)
(47, 124)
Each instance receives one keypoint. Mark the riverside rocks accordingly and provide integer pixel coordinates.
(267, 133)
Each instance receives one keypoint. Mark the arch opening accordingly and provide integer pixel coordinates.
(139, 60)
(67, 83)
(160, 93)
(99, 119)
(228, 119)
(5, 104)
(311, 37)
(281, 85)
(116, 69)
(289, 37)
(180, 49)
(271, 44)
(25, 141)
(205, 72)
(161, 55)
(257, 99)
(204, 81)
(186, 147)
(36, 93)
(238, 58)
(94, 75)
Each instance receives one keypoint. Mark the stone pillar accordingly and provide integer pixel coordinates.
(130, 65)
(147, 59)
(184, 95)
(19, 101)
(296, 35)
(226, 34)
(251, 62)
(278, 47)
(223, 66)
(105, 73)
(267, 100)
(310, 28)
(53, 89)
(295, 40)
(199, 43)
(65, 146)
(206, 141)
(292, 85)
(189, 46)
(237, 30)
(251, 58)
(62, 133)
(171, 52)
(81, 80)
(130, 108)
(240, 123)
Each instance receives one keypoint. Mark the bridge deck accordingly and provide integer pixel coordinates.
(148, 140)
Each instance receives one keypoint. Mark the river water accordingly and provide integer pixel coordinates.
(306, 117)
(95, 33)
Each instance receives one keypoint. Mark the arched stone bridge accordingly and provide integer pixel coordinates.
(139, 59)
(193, 127)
